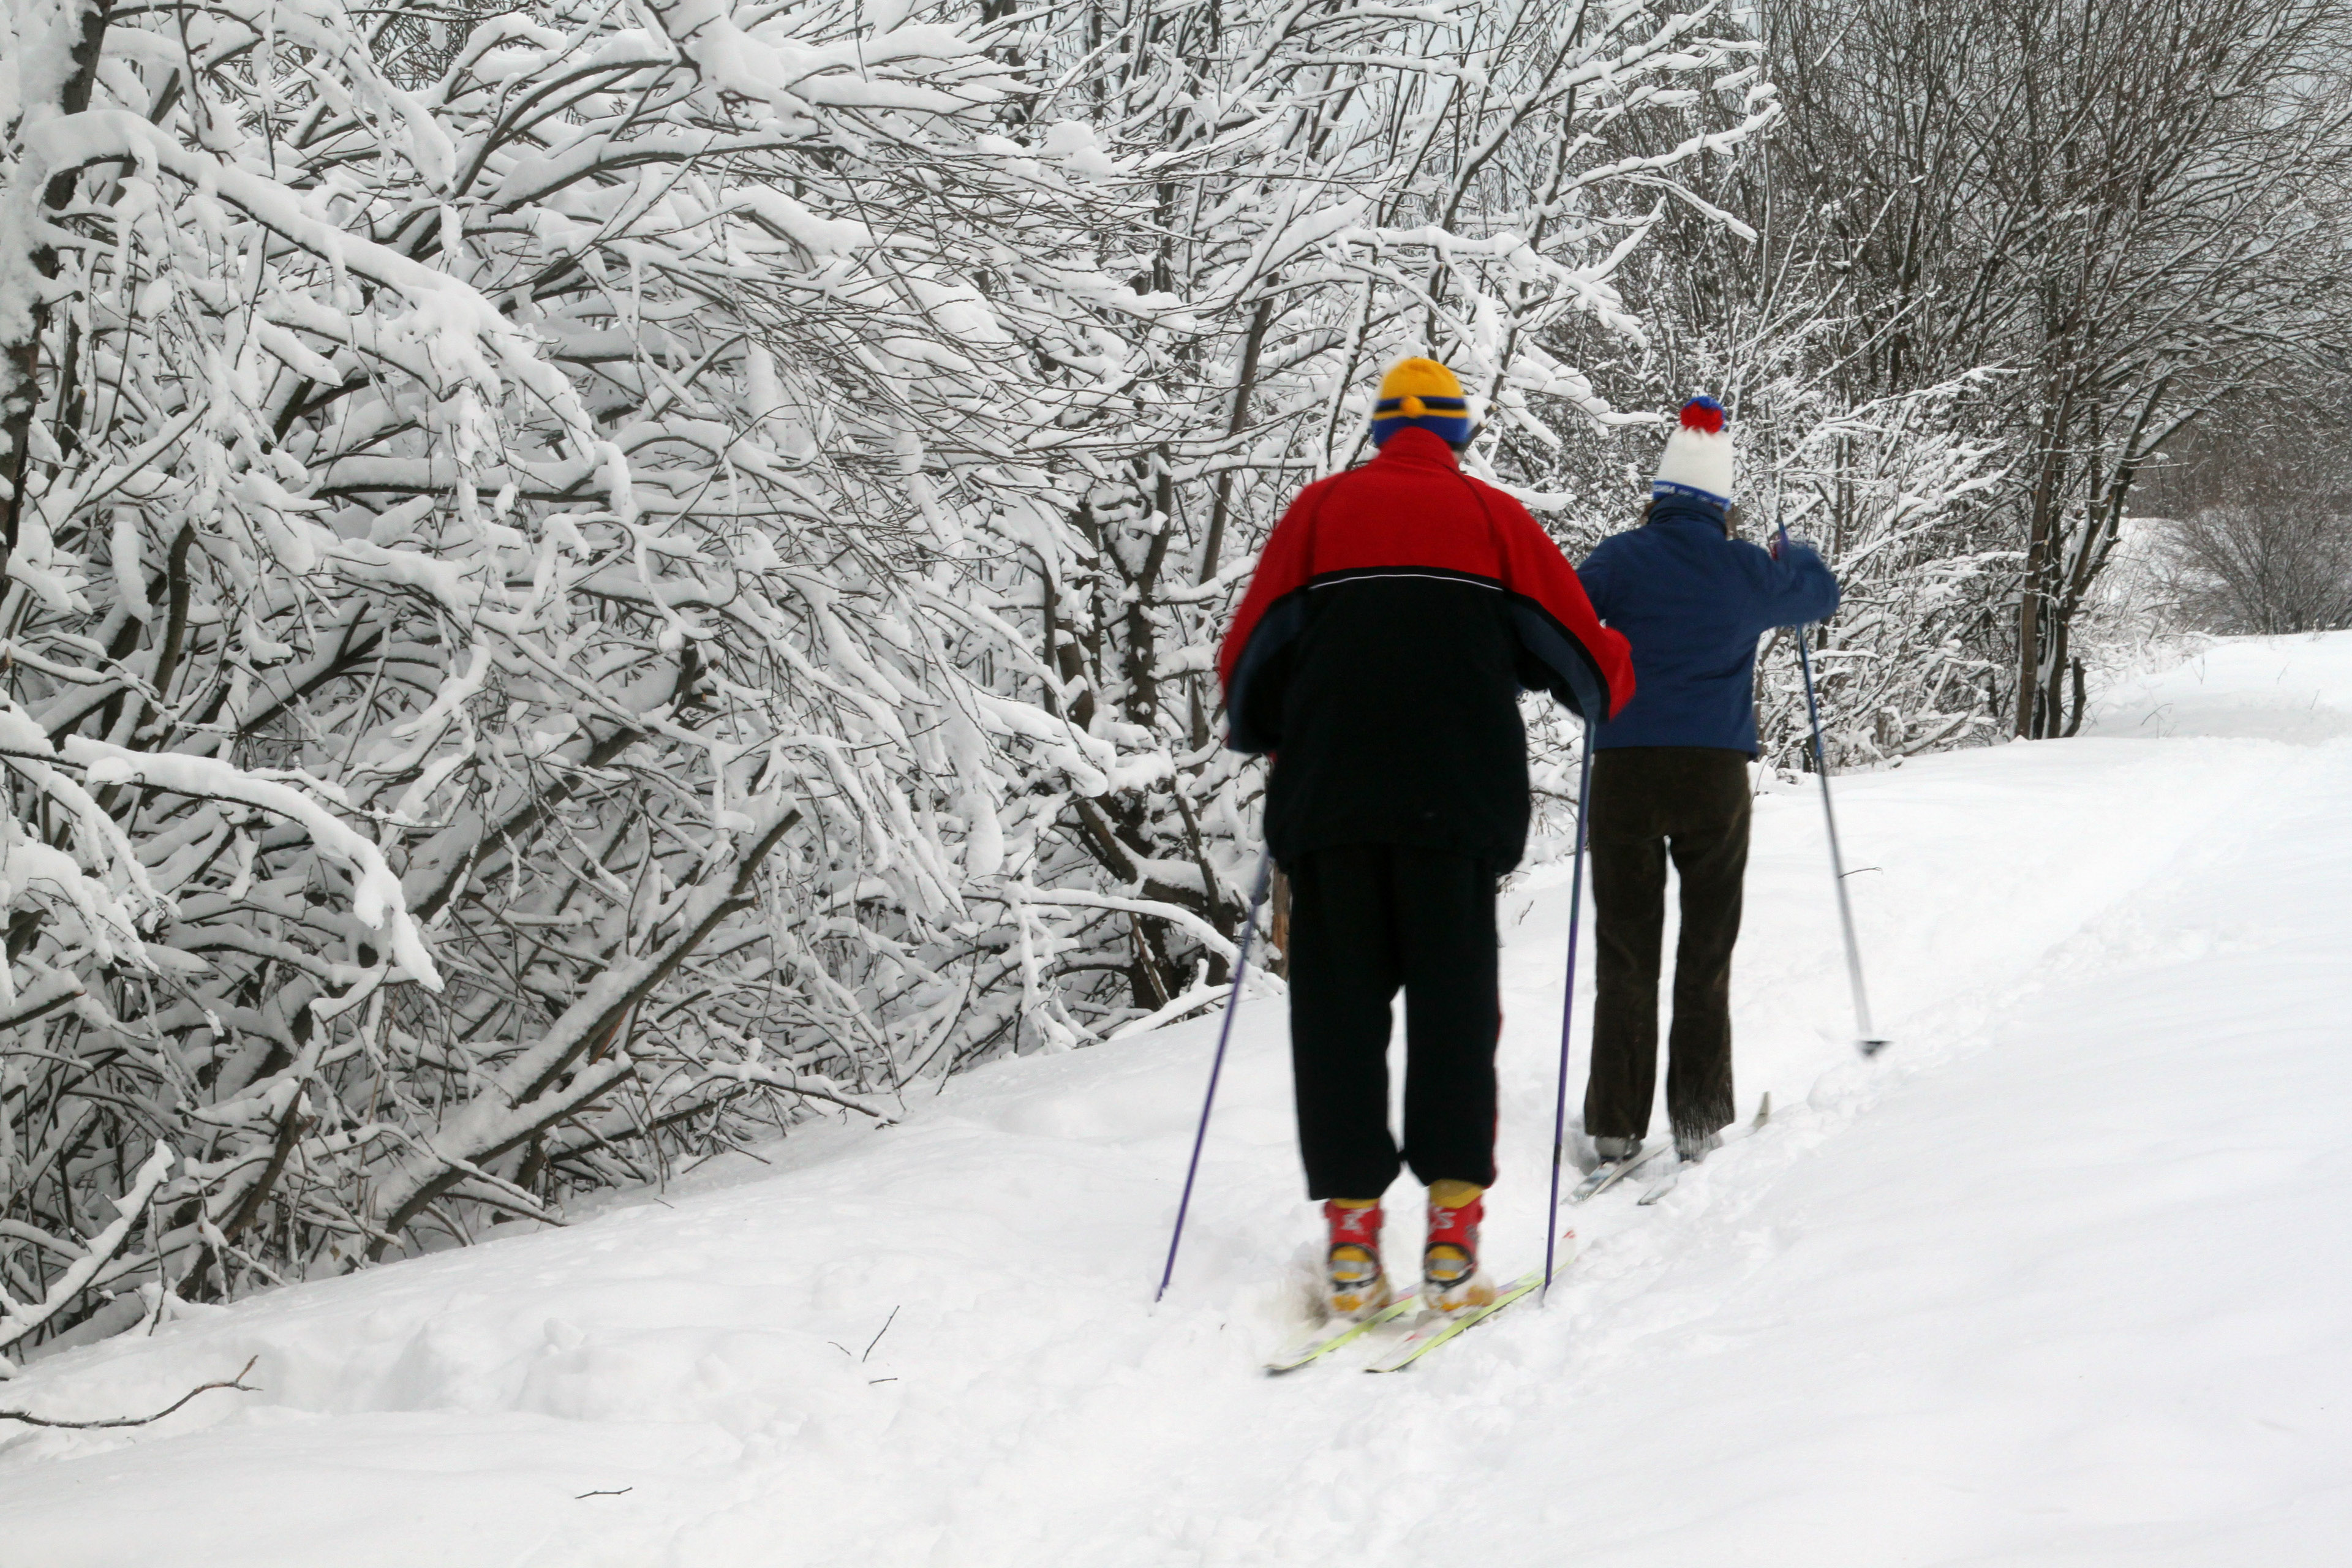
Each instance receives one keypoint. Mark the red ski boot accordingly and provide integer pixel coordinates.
(1356, 1286)
(1450, 1276)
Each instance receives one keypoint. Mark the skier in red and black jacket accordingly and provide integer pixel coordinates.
(1396, 614)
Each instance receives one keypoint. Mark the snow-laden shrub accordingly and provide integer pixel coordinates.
(588, 581)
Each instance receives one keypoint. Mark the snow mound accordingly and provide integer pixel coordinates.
(2297, 689)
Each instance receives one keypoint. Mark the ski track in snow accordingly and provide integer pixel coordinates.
(2055, 1280)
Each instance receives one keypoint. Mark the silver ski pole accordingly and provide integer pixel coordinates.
(1867, 1040)
(1566, 1012)
(1217, 1065)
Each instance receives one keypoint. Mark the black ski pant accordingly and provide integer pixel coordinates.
(1366, 919)
(1648, 803)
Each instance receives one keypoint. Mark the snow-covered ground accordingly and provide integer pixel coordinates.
(2059, 1280)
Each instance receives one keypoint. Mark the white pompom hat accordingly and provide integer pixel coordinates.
(1697, 461)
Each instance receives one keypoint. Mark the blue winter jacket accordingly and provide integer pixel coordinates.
(1693, 603)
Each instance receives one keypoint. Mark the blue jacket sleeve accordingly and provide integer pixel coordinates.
(1599, 582)
(1795, 589)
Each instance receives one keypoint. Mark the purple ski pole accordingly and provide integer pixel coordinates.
(1566, 1012)
(1217, 1066)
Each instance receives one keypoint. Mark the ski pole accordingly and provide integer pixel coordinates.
(1567, 1010)
(1217, 1066)
(1867, 1042)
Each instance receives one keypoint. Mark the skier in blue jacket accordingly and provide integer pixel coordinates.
(1670, 779)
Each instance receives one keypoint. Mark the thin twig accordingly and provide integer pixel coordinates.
(237, 1383)
(878, 1337)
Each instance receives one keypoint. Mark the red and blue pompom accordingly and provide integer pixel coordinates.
(1698, 464)
(1704, 414)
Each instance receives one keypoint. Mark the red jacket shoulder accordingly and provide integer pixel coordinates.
(1505, 506)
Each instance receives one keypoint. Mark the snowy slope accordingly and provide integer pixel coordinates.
(2057, 1280)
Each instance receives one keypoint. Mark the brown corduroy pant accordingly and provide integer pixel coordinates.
(1649, 802)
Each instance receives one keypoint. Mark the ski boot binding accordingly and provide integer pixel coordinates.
(1355, 1285)
(1450, 1276)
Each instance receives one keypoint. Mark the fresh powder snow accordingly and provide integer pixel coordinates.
(2055, 1280)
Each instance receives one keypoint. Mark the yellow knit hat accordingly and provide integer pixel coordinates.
(1422, 393)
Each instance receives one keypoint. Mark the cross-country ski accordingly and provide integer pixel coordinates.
(1324, 1338)
(1439, 1328)
(1664, 1183)
(1609, 1172)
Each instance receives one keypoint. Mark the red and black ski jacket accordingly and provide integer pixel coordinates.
(1396, 614)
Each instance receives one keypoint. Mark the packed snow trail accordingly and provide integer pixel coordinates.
(2056, 1280)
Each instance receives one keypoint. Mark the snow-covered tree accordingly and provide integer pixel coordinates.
(589, 580)
(481, 649)
(2133, 210)
(1329, 188)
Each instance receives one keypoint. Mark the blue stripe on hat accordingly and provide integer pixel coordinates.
(1453, 430)
(1669, 487)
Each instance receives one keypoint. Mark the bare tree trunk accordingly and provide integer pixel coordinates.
(2029, 603)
